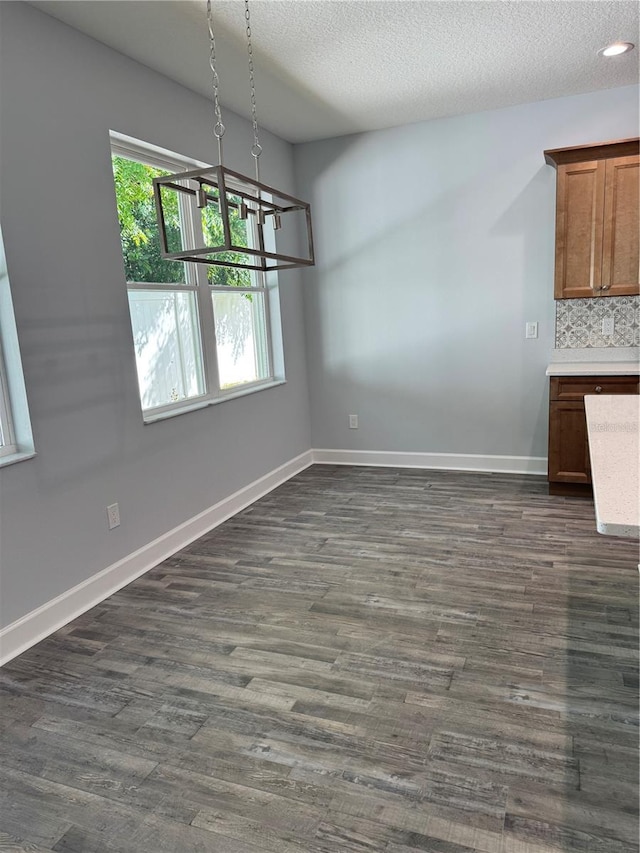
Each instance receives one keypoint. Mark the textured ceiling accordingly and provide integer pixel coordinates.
(338, 66)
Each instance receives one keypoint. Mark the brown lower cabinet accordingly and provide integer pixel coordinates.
(569, 466)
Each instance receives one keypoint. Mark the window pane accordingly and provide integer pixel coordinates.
(15, 424)
(167, 342)
(241, 337)
(139, 232)
(241, 235)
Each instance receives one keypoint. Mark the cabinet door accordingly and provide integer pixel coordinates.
(621, 241)
(579, 229)
(568, 444)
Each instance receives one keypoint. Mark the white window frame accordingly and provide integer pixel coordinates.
(8, 444)
(16, 436)
(196, 282)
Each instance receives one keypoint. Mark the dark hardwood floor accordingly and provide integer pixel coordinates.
(366, 660)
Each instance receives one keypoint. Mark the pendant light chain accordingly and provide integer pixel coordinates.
(229, 197)
(256, 149)
(218, 128)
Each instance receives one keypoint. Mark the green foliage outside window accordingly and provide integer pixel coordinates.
(138, 224)
(140, 235)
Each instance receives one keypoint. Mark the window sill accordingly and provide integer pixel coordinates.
(19, 456)
(151, 418)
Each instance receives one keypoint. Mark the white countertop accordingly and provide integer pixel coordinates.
(594, 368)
(595, 361)
(614, 448)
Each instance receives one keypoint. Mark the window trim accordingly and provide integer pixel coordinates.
(17, 435)
(9, 446)
(196, 281)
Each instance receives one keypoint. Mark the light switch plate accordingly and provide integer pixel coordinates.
(531, 330)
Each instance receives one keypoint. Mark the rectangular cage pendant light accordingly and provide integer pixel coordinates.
(239, 217)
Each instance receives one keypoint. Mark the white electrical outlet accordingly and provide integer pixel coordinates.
(113, 516)
(353, 422)
(531, 330)
(607, 326)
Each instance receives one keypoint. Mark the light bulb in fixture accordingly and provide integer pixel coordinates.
(616, 49)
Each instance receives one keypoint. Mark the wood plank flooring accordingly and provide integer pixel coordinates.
(366, 660)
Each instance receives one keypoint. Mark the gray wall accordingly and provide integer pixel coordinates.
(435, 246)
(61, 94)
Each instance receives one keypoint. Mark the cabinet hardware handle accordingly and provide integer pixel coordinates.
(598, 389)
(605, 287)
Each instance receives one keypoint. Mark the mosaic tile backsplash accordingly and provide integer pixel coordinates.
(579, 322)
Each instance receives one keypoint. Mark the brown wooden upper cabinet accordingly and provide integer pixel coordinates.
(597, 219)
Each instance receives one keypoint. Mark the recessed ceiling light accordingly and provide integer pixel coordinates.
(616, 49)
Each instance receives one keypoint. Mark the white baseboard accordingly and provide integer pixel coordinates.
(40, 623)
(445, 461)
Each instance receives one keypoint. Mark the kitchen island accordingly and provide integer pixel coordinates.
(614, 449)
